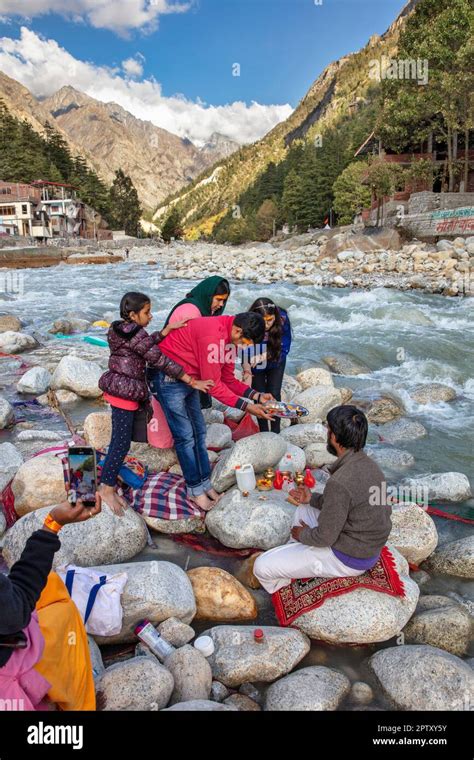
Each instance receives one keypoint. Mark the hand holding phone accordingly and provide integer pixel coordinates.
(82, 463)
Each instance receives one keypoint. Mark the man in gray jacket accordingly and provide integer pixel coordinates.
(342, 531)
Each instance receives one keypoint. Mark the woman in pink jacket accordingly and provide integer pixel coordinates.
(206, 347)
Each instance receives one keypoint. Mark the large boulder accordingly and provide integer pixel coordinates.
(239, 659)
(304, 434)
(362, 616)
(308, 689)
(157, 460)
(35, 380)
(259, 521)
(382, 410)
(154, 591)
(422, 678)
(65, 398)
(12, 342)
(186, 525)
(290, 388)
(317, 455)
(440, 486)
(346, 364)
(389, 458)
(413, 533)
(69, 326)
(262, 450)
(39, 482)
(314, 376)
(318, 400)
(141, 683)
(7, 415)
(219, 436)
(78, 375)
(455, 558)
(403, 429)
(432, 393)
(103, 539)
(220, 596)
(10, 462)
(191, 673)
(441, 622)
(98, 429)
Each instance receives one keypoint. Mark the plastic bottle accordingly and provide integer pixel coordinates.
(288, 472)
(245, 476)
(147, 633)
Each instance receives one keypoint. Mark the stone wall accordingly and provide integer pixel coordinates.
(430, 216)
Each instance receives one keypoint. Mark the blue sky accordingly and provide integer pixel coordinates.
(281, 46)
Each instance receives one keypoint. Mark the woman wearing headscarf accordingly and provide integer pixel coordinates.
(207, 299)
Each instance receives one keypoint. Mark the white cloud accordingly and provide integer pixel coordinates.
(133, 67)
(118, 15)
(44, 67)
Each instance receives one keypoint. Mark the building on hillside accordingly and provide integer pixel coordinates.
(22, 212)
(65, 209)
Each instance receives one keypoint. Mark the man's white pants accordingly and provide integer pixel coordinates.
(277, 567)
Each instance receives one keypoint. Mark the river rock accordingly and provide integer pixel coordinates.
(186, 525)
(191, 673)
(36, 380)
(158, 460)
(176, 632)
(390, 458)
(298, 458)
(401, 430)
(382, 410)
(440, 622)
(238, 658)
(15, 342)
(200, 705)
(39, 482)
(318, 400)
(7, 415)
(141, 683)
(78, 375)
(262, 450)
(440, 486)
(98, 429)
(317, 455)
(218, 436)
(69, 326)
(363, 616)
(304, 434)
(220, 596)
(105, 538)
(10, 462)
(65, 398)
(3, 525)
(290, 388)
(259, 521)
(346, 395)
(243, 703)
(345, 364)
(212, 415)
(361, 693)
(9, 323)
(155, 590)
(308, 689)
(422, 677)
(219, 692)
(413, 532)
(45, 436)
(432, 393)
(455, 558)
(314, 376)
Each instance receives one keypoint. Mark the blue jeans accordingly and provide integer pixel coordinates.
(182, 407)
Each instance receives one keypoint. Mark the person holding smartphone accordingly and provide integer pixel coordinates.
(37, 614)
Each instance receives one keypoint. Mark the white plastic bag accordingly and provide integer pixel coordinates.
(97, 597)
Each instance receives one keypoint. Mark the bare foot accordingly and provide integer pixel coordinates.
(113, 500)
(214, 495)
(203, 501)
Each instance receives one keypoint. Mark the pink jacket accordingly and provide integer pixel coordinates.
(204, 350)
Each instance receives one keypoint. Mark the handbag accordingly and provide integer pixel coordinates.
(97, 597)
(141, 418)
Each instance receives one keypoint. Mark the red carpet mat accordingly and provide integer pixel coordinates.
(306, 594)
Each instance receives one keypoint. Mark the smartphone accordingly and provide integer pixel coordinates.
(82, 462)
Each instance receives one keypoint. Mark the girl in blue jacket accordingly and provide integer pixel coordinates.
(265, 367)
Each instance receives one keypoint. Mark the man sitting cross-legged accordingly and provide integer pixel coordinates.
(342, 531)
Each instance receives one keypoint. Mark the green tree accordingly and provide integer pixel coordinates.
(292, 198)
(125, 210)
(172, 226)
(384, 179)
(265, 220)
(350, 194)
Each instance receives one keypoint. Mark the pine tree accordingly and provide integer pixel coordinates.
(292, 198)
(172, 227)
(125, 211)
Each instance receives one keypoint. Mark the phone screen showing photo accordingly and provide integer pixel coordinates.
(82, 475)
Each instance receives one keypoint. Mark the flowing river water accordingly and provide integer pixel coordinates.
(405, 338)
